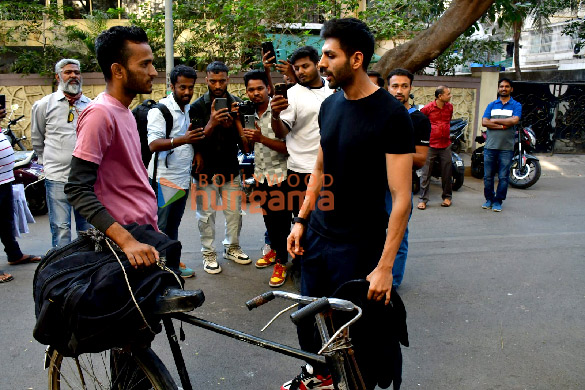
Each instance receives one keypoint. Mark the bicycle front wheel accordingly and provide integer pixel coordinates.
(115, 369)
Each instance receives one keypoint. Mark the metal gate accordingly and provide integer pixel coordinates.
(556, 112)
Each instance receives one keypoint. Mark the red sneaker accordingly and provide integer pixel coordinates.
(267, 260)
(306, 380)
(278, 275)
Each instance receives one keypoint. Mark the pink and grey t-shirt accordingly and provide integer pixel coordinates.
(107, 136)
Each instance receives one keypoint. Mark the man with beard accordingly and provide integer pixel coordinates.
(53, 122)
(296, 118)
(218, 171)
(400, 86)
(108, 183)
(270, 174)
(339, 244)
(440, 113)
(500, 117)
(175, 155)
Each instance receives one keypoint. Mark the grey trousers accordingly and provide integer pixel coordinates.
(444, 158)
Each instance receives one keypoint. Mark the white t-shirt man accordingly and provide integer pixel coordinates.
(301, 117)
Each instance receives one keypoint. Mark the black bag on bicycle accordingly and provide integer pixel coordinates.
(82, 299)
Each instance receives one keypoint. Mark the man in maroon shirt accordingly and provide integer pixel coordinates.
(439, 113)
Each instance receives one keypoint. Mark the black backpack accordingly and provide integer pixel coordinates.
(82, 300)
(140, 113)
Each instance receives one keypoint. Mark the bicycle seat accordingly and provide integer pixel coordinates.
(175, 300)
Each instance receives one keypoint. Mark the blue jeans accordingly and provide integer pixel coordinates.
(169, 217)
(400, 259)
(496, 161)
(60, 214)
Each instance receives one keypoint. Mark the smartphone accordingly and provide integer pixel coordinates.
(281, 55)
(2, 101)
(280, 89)
(269, 47)
(220, 103)
(249, 121)
(197, 123)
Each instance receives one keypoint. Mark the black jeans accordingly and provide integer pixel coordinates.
(277, 217)
(11, 247)
(325, 266)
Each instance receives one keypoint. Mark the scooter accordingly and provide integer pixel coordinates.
(28, 171)
(246, 161)
(525, 170)
(457, 134)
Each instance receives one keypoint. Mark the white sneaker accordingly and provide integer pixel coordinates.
(210, 264)
(235, 253)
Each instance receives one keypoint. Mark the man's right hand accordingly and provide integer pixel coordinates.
(293, 242)
(193, 136)
(278, 104)
(218, 117)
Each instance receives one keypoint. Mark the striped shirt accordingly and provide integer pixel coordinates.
(270, 165)
(6, 160)
(502, 139)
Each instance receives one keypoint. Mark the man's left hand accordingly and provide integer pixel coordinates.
(2, 113)
(253, 135)
(380, 284)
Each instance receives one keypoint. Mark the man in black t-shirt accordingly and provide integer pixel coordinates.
(399, 86)
(217, 171)
(366, 147)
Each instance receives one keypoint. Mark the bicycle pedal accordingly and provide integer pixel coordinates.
(175, 300)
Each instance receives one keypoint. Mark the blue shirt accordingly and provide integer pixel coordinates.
(502, 139)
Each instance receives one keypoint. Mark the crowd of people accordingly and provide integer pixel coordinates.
(301, 136)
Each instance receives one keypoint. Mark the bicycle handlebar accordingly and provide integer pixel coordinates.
(13, 121)
(315, 307)
(336, 303)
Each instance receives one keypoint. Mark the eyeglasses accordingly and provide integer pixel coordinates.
(70, 116)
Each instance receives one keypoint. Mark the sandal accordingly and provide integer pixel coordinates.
(421, 206)
(446, 203)
(26, 259)
(5, 277)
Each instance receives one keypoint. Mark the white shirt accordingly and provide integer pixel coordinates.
(179, 161)
(53, 139)
(301, 116)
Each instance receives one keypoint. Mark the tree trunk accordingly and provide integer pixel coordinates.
(427, 45)
(517, 31)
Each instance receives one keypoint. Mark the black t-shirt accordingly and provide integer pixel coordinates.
(356, 135)
(220, 150)
(422, 128)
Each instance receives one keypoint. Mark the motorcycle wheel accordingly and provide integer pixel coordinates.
(525, 177)
(36, 198)
(458, 178)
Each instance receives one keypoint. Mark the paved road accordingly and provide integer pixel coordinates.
(494, 301)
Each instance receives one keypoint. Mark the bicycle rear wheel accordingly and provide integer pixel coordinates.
(114, 369)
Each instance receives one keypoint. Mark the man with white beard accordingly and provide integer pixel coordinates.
(53, 123)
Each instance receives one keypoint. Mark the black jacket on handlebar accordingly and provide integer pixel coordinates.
(377, 336)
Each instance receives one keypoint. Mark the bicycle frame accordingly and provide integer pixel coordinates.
(332, 351)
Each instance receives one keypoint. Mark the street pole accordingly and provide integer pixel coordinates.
(169, 53)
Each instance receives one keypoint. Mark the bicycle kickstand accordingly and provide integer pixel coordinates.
(177, 355)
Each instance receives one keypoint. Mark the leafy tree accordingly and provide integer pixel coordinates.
(576, 29)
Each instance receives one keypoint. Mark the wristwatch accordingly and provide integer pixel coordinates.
(300, 220)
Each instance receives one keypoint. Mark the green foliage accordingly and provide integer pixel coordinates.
(401, 19)
(576, 29)
(464, 51)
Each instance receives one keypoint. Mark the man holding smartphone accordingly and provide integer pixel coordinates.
(270, 173)
(218, 173)
(175, 154)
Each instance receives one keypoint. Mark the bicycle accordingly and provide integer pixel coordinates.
(138, 367)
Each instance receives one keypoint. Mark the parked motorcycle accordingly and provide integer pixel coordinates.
(457, 173)
(246, 161)
(525, 170)
(457, 134)
(28, 171)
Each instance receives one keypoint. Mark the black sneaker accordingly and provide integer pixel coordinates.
(306, 380)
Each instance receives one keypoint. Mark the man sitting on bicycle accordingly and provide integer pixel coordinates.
(340, 243)
(108, 183)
